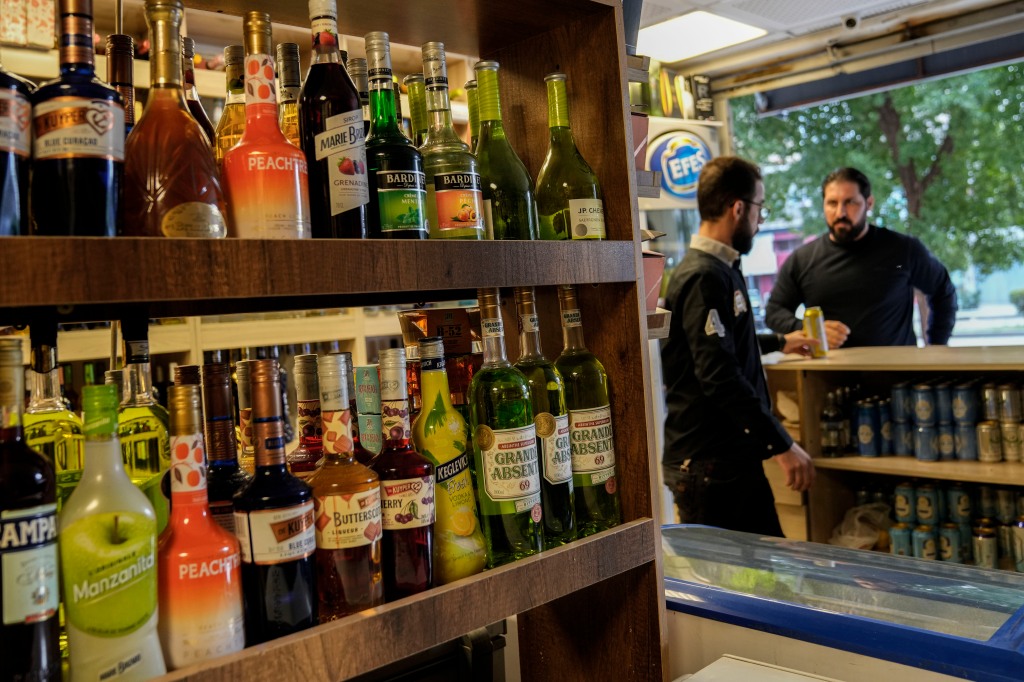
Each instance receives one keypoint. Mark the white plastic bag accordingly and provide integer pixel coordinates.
(861, 527)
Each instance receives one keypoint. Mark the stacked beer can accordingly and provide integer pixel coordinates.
(999, 434)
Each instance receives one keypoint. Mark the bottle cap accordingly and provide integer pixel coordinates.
(234, 55)
(357, 69)
(99, 408)
(431, 347)
(305, 371)
(10, 352)
(187, 375)
(323, 8)
(258, 31)
(378, 55)
(435, 70)
(120, 53)
(334, 380)
(412, 78)
(392, 357)
(288, 65)
(184, 406)
(188, 47)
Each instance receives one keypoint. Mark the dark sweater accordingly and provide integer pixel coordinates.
(868, 285)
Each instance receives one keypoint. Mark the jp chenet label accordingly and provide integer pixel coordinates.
(15, 119)
(346, 521)
(459, 201)
(593, 445)
(71, 127)
(586, 216)
(276, 535)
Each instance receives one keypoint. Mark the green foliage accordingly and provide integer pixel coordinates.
(948, 171)
(1017, 299)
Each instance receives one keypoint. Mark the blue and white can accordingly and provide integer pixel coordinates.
(868, 435)
(901, 543)
(944, 402)
(946, 442)
(965, 403)
(903, 439)
(926, 504)
(885, 444)
(904, 503)
(958, 503)
(925, 542)
(965, 441)
(949, 543)
(926, 443)
(924, 404)
(902, 405)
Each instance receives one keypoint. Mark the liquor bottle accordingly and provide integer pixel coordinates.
(419, 123)
(274, 352)
(67, 388)
(369, 434)
(15, 153)
(398, 191)
(50, 427)
(289, 84)
(265, 175)
(504, 446)
(396, 89)
(108, 533)
(224, 477)
(303, 460)
(198, 567)
(568, 195)
(246, 449)
(78, 140)
(590, 424)
(346, 496)
(831, 425)
(551, 419)
(333, 134)
(406, 489)
(188, 375)
(121, 74)
(142, 421)
(359, 72)
(30, 629)
(473, 104)
(232, 120)
(274, 524)
(195, 105)
(509, 208)
(442, 436)
(454, 199)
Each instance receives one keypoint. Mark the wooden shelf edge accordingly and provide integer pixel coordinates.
(373, 638)
(906, 359)
(1000, 473)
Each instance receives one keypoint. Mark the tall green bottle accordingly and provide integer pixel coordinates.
(509, 208)
(504, 447)
(590, 424)
(419, 123)
(568, 194)
(474, 114)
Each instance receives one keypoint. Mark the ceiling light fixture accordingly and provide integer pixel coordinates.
(692, 34)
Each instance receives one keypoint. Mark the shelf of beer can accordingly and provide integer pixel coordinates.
(1002, 473)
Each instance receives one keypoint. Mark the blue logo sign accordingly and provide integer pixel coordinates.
(679, 156)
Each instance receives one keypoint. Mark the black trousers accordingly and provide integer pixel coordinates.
(727, 494)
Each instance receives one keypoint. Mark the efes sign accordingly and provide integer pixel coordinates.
(680, 155)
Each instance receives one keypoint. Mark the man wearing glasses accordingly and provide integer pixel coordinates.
(862, 276)
(719, 427)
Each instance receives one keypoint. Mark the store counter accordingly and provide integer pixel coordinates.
(844, 614)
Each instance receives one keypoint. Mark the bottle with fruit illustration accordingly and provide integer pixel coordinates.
(303, 460)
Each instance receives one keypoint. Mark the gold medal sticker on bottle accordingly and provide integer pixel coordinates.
(553, 434)
(346, 521)
(194, 219)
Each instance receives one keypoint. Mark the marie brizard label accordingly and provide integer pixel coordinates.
(459, 201)
(342, 144)
(276, 535)
(72, 127)
(15, 119)
(401, 198)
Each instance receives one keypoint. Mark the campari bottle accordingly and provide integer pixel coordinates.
(198, 569)
(303, 460)
(224, 476)
(15, 151)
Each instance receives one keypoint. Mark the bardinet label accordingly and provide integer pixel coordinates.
(343, 146)
(407, 503)
(70, 127)
(511, 468)
(586, 216)
(15, 119)
(593, 448)
(276, 535)
(459, 201)
(401, 198)
(346, 521)
(28, 564)
(556, 454)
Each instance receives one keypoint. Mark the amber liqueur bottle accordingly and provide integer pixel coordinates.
(224, 476)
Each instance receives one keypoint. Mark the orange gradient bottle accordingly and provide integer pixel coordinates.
(266, 176)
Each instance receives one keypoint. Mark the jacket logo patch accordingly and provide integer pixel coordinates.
(714, 325)
(739, 304)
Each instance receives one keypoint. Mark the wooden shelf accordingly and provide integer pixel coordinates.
(638, 68)
(1000, 473)
(648, 184)
(909, 358)
(657, 323)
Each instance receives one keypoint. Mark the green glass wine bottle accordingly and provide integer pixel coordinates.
(509, 208)
(417, 94)
(568, 194)
(474, 114)
(551, 418)
(590, 424)
(504, 447)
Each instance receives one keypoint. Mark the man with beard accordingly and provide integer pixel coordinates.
(720, 426)
(862, 276)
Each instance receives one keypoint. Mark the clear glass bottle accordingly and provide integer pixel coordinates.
(504, 446)
(454, 197)
(232, 120)
(551, 418)
(224, 477)
(121, 74)
(398, 192)
(30, 628)
(195, 105)
(15, 153)
(472, 103)
(590, 424)
(568, 194)
(359, 72)
(419, 123)
(289, 84)
(347, 498)
(509, 208)
(303, 460)
(246, 449)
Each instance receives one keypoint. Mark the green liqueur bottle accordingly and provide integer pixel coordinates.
(398, 191)
(590, 424)
(419, 123)
(551, 418)
(509, 208)
(454, 199)
(504, 447)
(568, 195)
(474, 114)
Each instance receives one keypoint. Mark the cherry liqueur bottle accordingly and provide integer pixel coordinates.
(275, 525)
(419, 123)
(15, 152)
(195, 105)
(370, 433)
(406, 489)
(266, 176)
(303, 460)
(198, 567)
(473, 105)
(78, 140)
(121, 74)
(232, 120)
(108, 555)
(590, 424)
(397, 183)
(346, 495)
(505, 447)
(568, 195)
(551, 418)
(289, 83)
(224, 477)
(454, 199)
(246, 450)
(333, 134)
(30, 629)
(442, 436)
(509, 209)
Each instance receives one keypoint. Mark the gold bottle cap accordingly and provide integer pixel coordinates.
(258, 33)
(490, 303)
(184, 404)
(10, 352)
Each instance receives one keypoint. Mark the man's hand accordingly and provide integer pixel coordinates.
(836, 332)
(798, 467)
(797, 342)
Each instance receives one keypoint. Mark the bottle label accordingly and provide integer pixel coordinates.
(188, 464)
(260, 85)
(511, 470)
(401, 197)
(587, 218)
(245, 427)
(109, 565)
(407, 503)
(336, 431)
(310, 419)
(72, 127)
(367, 389)
(371, 433)
(346, 521)
(274, 536)
(459, 201)
(492, 328)
(194, 219)
(553, 436)
(223, 514)
(342, 144)
(325, 32)
(593, 447)
(15, 119)
(572, 318)
(529, 323)
(28, 564)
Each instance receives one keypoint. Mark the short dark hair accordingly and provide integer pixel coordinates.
(848, 175)
(723, 181)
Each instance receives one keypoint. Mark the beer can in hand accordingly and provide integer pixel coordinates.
(814, 327)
